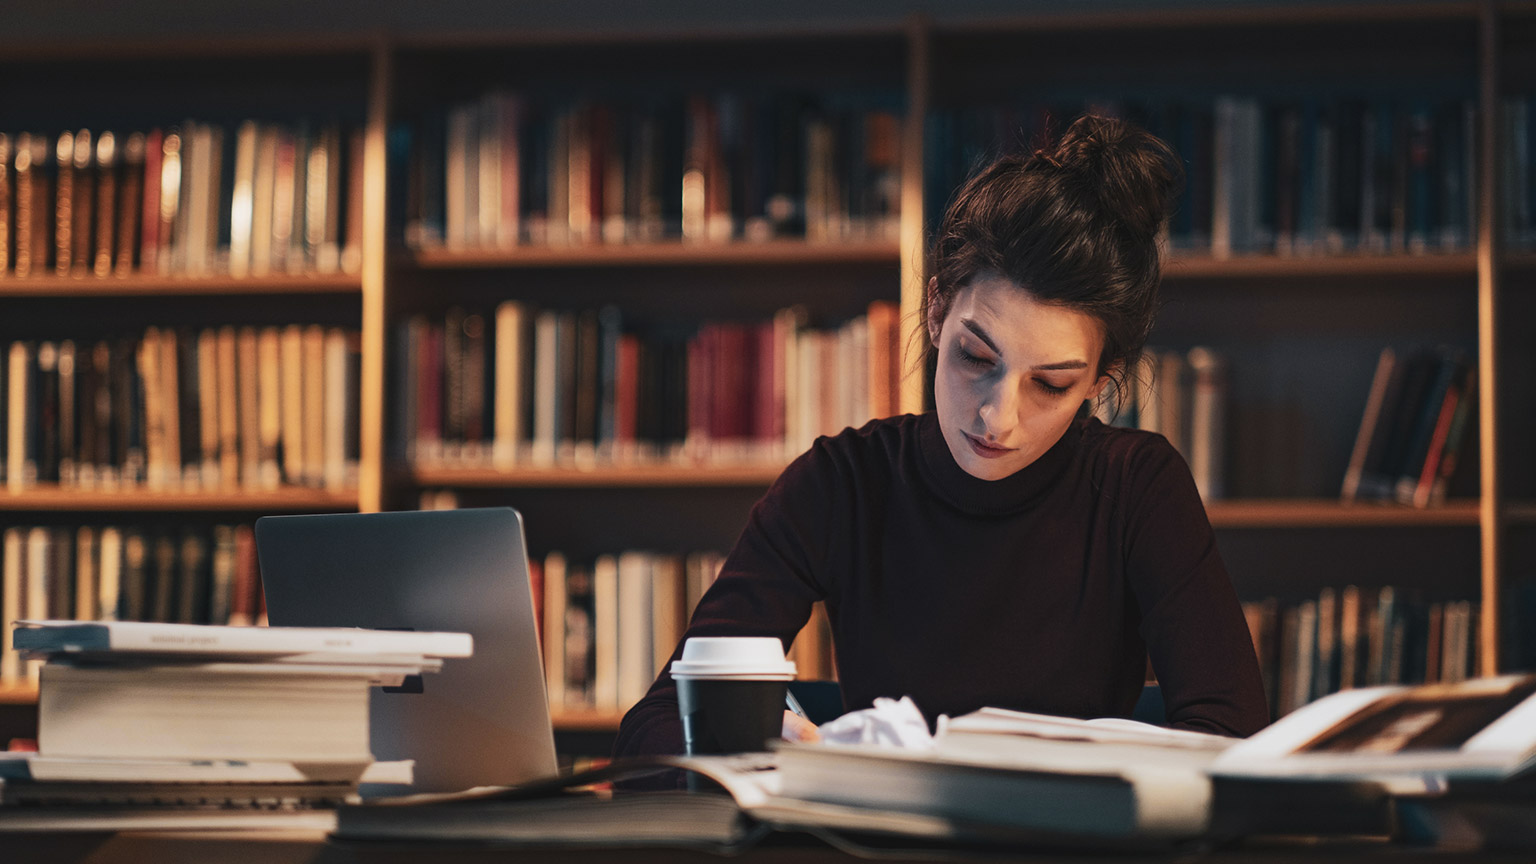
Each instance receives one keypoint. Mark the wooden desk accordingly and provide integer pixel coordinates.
(311, 847)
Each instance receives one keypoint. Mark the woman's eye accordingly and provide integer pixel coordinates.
(970, 359)
(1051, 388)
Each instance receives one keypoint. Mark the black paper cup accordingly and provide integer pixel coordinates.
(730, 692)
(730, 715)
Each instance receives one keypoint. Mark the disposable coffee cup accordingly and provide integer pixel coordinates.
(730, 692)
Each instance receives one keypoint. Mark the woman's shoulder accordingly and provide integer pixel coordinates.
(856, 464)
(1120, 451)
(875, 448)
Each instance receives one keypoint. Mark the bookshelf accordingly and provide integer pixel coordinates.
(1323, 513)
(195, 292)
(153, 285)
(1301, 331)
(664, 254)
(685, 476)
(67, 500)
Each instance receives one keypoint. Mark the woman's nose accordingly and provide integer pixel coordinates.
(999, 412)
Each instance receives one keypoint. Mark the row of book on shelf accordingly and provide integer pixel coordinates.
(609, 625)
(189, 200)
(1414, 426)
(1182, 396)
(1284, 176)
(545, 386)
(217, 408)
(510, 168)
(1356, 636)
(186, 575)
(1517, 199)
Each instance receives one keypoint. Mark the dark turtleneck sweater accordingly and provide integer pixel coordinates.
(1045, 591)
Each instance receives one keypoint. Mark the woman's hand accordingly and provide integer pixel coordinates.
(797, 728)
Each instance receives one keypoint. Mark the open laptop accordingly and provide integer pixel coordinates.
(482, 720)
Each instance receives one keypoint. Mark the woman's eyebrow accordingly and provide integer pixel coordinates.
(980, 334)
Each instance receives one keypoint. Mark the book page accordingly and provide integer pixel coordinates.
(1000, 721)
(1478, 728)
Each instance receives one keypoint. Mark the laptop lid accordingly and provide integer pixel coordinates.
(482, 720)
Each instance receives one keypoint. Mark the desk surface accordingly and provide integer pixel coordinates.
(311, 847)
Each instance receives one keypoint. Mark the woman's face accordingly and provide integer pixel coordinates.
(1012, 372)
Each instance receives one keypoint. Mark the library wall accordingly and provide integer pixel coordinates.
(1293, 280)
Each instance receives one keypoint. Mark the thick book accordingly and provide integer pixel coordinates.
(1368, 441)
(5, 204)
(1481, 729)
(31, 778)
(107, 156)
(233, 711)
(550, 813)
(137, 637)
(655, 819)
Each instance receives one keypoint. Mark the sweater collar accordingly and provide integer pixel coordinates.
(991, 497)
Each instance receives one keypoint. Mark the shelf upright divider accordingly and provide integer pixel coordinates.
(1488, 243)
(914, 265)
(370, 480)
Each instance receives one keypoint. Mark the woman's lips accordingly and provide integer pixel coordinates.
(984, 450)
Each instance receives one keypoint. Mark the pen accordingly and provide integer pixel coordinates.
(794, 704)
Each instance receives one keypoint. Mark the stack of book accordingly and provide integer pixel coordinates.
(186, 575)
(1348, 765)
(137, 713)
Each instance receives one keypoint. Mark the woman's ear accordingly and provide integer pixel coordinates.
(1097, 389)
(935, 320)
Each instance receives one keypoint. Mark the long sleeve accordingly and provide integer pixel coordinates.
(1191, 620)
(765, 588)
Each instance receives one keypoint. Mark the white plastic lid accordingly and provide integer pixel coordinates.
(746, 658)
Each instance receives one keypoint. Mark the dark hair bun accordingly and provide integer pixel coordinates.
(1134, 173)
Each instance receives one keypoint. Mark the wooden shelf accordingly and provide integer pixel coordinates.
(586, 721)
(1328, 513)
(18, 694)
(166, 286)
(198, 47)
(1323, 266)
(772, 252)
(1519, 262)
(661, 475)
(1202, 18)
(1521, 512)
(133, 499)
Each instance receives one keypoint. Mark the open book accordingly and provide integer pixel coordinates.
(1005, 777)
(1484, 728)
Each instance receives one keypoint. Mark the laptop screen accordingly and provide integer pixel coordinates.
(482, 720)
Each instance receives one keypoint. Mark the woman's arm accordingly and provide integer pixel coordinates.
(1191, 620)
(765, 588)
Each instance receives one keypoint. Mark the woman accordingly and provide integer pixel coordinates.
(1007, 549)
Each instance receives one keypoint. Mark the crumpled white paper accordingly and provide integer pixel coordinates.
(890, 723)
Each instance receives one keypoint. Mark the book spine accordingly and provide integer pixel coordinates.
(6, 197)
(84, 574)
(64, 203)
(130, 205)
(106, 203)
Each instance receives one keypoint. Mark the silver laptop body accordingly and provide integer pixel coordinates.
(482, 720)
